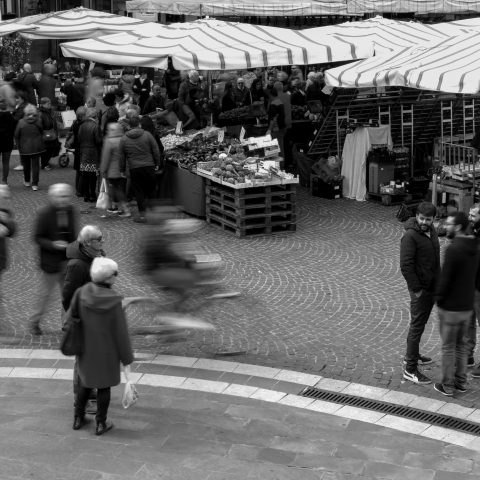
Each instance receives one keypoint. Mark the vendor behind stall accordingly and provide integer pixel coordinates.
(190, 96)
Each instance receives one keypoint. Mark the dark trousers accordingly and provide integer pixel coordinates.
(88, 183)
(77, 384)
(116, 189)
(31, 166)
(47, 154)
(143, 184)
(78, 184)
(420, 309)
(103, 402)
(5, 165)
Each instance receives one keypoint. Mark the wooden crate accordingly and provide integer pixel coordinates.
(251, 211)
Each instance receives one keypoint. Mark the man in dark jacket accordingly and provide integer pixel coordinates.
(420, 266)
(47, 84)
(29, 83)
(139, 153)
(455, 296)
(55, 228)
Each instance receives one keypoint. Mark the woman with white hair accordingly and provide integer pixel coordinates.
(106, 341)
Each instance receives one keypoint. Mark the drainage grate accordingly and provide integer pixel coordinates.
(392, 409)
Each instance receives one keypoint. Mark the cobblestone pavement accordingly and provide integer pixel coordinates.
(328, 299)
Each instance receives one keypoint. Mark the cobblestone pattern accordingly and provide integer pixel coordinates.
(328, 299)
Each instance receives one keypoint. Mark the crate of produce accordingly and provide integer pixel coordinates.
(331, 190)
(251, 211)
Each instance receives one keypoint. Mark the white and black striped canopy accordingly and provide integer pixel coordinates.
(11, 26)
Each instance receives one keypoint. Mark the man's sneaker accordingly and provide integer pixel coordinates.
(416, 377)
(476, 372)
(470, 362)
(47, 168)
(18, 167)
(34, 188)
(27, 184)
(112, 210)
(421, 359)
(124, 214)
(461, 389)
(444, 390)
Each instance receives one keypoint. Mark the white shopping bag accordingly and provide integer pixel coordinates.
(130, 395)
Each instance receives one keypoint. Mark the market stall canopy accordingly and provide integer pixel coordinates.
(210, 44)
(390, 35)
(277, 8)
(451, 65)
(75, 23)
(356, 7)
(11, 26)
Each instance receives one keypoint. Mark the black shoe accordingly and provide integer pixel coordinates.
(103, 427)
(440, 387)
(79, 422)
(416, 377)
(35, 330)
(422, 359)
(470, 362)
(461, 389)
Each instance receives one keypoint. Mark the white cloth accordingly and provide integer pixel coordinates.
(354, 159)
(380, 136)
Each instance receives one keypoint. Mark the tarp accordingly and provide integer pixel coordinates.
(210, 44)
(75, 23)
(11, 26)
(356, 7)
(451, 65)
(270, 8)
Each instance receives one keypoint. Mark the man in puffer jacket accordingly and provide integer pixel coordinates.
(420, 266)
(139, 153)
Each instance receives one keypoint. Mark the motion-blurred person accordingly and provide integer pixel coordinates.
(297, 95)
(7, 227)
(276, 118)
(155, 101)
(56, 227)
(122, 101)
(228, 98)
(110, 170)
(7, 132)
(110, 114)
(455, 297)
(126, 81)
(90, 143)
(139, 153)
(106, 341)
(142, 87)
(49, 124)
(72, 142)
(29, 139)
(29, 83)
(75, 91)
(47, 84)
(172, 80)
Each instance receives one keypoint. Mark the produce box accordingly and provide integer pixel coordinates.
(319, 188)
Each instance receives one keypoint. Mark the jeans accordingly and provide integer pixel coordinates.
(103, 402)
(420, 309)
(5, 165)
(143, 184)
(454, 352)
(471, 333)
(44, 294)
(31, 164)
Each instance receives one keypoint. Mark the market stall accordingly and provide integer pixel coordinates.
(12, 26)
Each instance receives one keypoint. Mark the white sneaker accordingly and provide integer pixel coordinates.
(34, 188)
(27, 184)
(18, 167)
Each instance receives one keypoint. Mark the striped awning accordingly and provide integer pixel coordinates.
(210, 44)
(357, 7)
(451, 65)
(11, 26)
(75, 23)
(268, 8)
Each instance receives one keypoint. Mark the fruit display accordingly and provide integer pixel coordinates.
(171, 141)
(237, 116)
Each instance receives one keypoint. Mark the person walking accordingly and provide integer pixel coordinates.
(56, 227)
(420, 266)
(29, 83)
(106, 342)
(29, 139)
(276, 119)
(7, 132)
(90, 143)
(47, 84)
(139, 153)
(454, 295)
(7, 227)
(50, 133)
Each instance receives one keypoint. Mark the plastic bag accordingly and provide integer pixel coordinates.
(130, 395)
(103, 200)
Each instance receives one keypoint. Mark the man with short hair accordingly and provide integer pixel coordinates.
(455, 296)
(420, 266)
(155, 101)
(241, 94)
(29, 83)
(55, 228)
(139, 153)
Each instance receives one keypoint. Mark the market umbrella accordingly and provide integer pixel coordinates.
(451, 65)
(75, 23)
(11, 26)
(210, 44)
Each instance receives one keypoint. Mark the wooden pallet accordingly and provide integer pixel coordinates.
(389, 198)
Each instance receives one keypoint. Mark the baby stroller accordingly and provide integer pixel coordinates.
(64, 158)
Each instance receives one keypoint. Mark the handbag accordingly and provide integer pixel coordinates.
(49, 135)
(103, 200)
(72, 339)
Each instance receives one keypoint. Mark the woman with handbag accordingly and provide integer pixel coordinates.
(106, 341)
(29, 138)
(50, 133)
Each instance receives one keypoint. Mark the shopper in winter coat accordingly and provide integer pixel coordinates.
(29, 83)
(75, 91)
(142, 87)
(47, 84)
(7, 225)
(420, 266)
(7, 131)
(106, 341)
(28, 137)
(110, 169)
(110, 114)
(90, 142)
(49, 124)
(455, 298)
(126, 81)
(139, 153)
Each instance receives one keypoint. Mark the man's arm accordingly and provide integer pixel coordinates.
(408, 249)
(74, 279)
